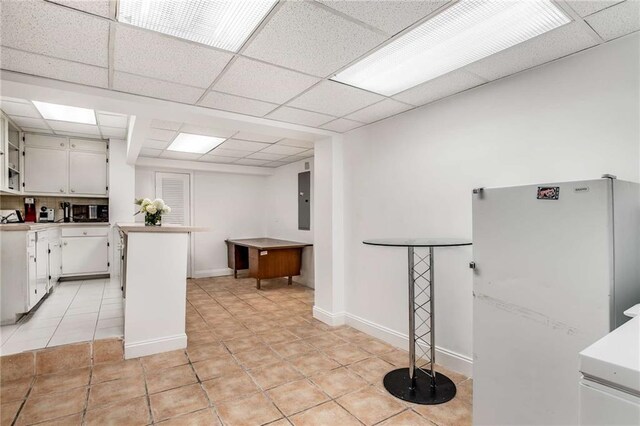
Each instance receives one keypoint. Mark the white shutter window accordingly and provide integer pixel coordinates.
(173, 188)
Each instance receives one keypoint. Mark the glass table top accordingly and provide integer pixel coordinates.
(418, 242)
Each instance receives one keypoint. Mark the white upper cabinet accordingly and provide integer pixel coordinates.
(65, 166)
(46, 170)
(87, 173)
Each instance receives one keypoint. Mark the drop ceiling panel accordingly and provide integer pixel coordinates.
(237, 104)
(150, 152)
(65, 126)
(232, 153)
(162, 57)
(161, 134)
(175, 155)
(58, 69)
(255, 137)
(555, 44)
(112, 120)
(113, 132)
(78, 135)
(275, 164)
(47, 29)
(256, 80)
(381, 110)
(308, 38)
(155, 144)
(616, 21)
(251, 162)
(438, 88)
(388, 16)
(587, 7)
(164, 124)
(217, 159)
(240, 145)
(95, 7)
(206, 131)
(20, 109)
(37, 123)
(155, 88)
(341, 125)
(283, 150)
(265, 156)
(296, 142)
(299, 116)
(334, 98)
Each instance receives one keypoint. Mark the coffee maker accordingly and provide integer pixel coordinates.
(29, 209)
(66, 211)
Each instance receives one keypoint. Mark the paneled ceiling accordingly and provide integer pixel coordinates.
(241, 148)
(282, 70)
(26, 116)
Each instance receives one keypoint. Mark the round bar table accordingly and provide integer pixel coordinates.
(418, 384)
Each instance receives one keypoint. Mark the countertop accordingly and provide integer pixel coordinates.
(31, 226)
(166, 228)
(616, 357)
(267, 243)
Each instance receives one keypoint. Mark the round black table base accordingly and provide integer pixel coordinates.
(398, 383)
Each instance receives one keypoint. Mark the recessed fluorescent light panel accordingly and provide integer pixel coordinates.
(65, 113)
(463, 33)
(198, 144)
(225, 24)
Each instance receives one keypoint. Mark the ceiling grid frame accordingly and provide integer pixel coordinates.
(565, 6)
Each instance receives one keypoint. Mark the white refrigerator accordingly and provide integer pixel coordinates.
(556, 264)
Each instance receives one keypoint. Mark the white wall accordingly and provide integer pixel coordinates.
(282, 213)
(412, 175)
(231, 205)
(121, 194)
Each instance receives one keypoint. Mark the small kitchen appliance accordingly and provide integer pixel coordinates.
(46, 214)
(90, 213)
(29, 209)
(10, 216)
(66, 211)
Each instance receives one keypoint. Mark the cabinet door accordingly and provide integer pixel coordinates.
(45, 170)
(87, 173)
(55, 262)
(32, 278)
(3, 156)
(46, 141)
(85, 255)
(42, 268)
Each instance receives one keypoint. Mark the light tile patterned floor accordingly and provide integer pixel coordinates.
(76, 311)
(254, 358)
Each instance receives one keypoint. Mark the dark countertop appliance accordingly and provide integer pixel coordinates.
(90, 213)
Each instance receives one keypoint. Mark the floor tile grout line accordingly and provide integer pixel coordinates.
(65, 312)
(95, 328)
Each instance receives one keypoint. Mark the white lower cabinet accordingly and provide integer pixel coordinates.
(85, 251)
(25, 271)
(55, 256)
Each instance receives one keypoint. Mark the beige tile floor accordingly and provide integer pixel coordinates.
(254, 358)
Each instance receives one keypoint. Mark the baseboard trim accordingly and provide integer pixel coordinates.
(154, 346)
(212, 273)
(328, 317)
(445, 357)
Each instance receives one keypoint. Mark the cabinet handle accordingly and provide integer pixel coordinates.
(64, 244)
(73, 190)
(62, 144)
(84, 233)
(73, 145)
(61, 190)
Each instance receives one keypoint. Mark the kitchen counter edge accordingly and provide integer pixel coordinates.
(30, 226)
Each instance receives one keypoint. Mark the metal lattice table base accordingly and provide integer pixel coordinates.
(399, 384)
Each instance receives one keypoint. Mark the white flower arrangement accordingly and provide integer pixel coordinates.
(153, 210)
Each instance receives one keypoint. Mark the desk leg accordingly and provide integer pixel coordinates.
(235, 273)
(258, 283)
(420, 383)
(290, 280)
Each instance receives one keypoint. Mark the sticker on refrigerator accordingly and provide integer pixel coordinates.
(548, 192)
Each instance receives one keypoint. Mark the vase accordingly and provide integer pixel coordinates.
(152, 219)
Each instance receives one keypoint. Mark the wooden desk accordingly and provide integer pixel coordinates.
(265, 257)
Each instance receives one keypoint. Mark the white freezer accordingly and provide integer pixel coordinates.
(552, 276)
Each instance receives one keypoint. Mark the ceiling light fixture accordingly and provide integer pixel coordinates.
(466, 32)
(197, 144)
(65, 113)
(223, 24)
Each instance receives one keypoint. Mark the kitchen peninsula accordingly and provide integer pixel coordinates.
(155, 287)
